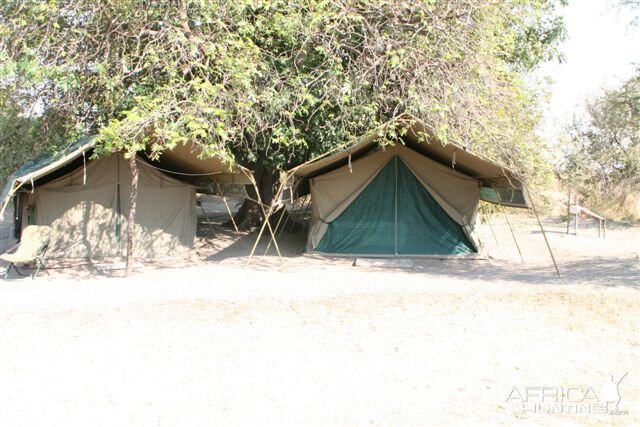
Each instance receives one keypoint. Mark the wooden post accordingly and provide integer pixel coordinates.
(233, 221)
(265, 224)
(577, 218)
(568, 211)
(275, 230)
(133, 165)
(279, 230)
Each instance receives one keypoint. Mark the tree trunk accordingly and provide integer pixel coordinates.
(250, 215)
(133, 165)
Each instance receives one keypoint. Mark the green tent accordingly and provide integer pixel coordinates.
(384, 219)
(414, 198)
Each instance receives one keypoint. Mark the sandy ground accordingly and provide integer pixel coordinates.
(317, 341)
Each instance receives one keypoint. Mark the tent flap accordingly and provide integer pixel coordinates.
(395, 215)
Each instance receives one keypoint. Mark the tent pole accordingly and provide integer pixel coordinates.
(255, 244)
(306, 205)
(275, 230)
(265, 223)
(268, 215)
(284, 226)
(513, 234)
(304, 210)
(533, 207)
(284, 210)
(492, 232)
(233, 221)
(303, 206)
(12, 192)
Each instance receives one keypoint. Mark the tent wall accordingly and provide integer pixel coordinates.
(87, 210)
(333, 192)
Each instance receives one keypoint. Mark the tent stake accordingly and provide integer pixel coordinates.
(513, 234)
(533, 207)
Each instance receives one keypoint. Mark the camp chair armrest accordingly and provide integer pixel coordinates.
(12, 249)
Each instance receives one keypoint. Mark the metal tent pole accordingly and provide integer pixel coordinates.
(513, 234)
(544, 234)
(491, 228)
(304, 208)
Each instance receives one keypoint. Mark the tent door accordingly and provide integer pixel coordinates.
(395, 215)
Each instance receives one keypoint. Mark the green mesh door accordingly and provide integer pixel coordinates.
(395, 215)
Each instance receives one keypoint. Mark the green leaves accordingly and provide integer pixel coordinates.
(602, 152)
(277, 82)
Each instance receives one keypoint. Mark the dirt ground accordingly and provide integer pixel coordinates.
(310, 340)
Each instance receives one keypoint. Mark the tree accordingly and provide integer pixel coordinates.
(269, 84)
(603, 157)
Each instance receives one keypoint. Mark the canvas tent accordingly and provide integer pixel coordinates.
(86, 201)
(416, 197)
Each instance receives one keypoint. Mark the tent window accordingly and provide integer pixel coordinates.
(506, 196)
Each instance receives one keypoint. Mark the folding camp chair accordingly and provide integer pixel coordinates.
(33, 248)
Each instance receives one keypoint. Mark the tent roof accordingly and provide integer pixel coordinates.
(449, 154)
(183, 162)
(491, 174)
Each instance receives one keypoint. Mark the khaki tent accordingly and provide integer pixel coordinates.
(416, 197)
(86, 201)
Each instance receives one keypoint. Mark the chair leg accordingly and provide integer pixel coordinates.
(6, 272)
(40, 265)
(15, 267)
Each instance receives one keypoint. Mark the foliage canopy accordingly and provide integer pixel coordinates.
(269, 83)
(603, 155)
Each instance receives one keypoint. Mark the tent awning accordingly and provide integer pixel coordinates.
(183, 162)
(500, 185)
(188, 163)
